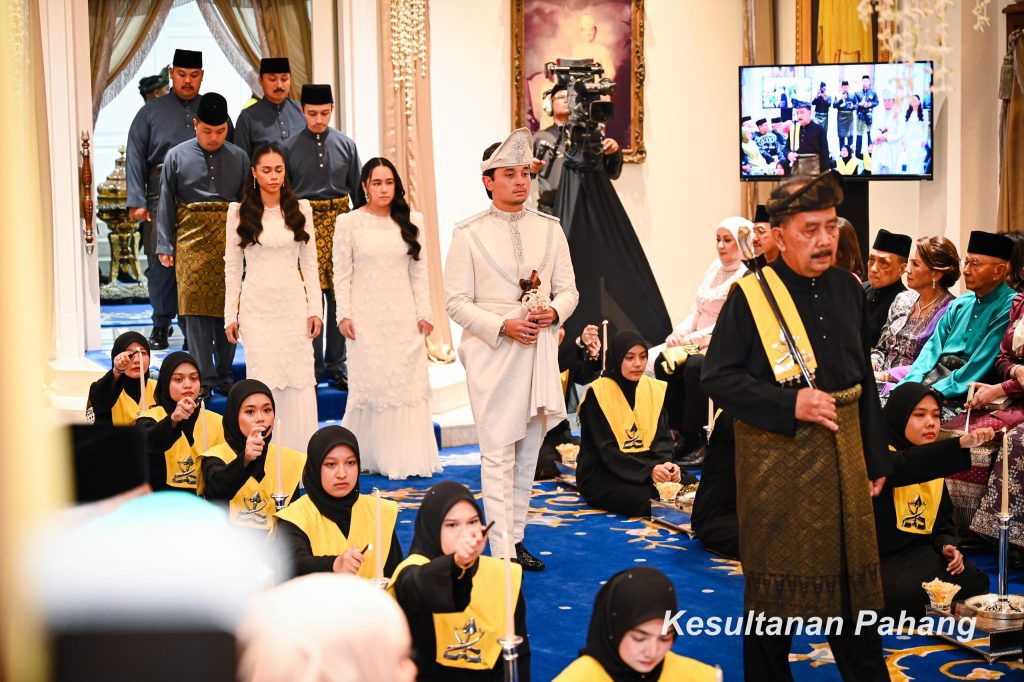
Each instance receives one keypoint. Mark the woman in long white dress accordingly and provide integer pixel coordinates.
(383, 298)
(915, 139)
(277, 311)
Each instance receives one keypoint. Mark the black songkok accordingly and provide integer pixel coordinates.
(990, 244)
(761, 214)
(845, 83)
(213, 109)
(799, 195)
(317, 94)
(152, 83)
(777, 119)
(274, 65)
(188, 59)
(744, 120)
(761, 122)
(893, 242)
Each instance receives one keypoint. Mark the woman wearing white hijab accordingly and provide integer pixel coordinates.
(677, 363)
(284, 639)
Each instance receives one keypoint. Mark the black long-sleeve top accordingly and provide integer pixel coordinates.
(917, 465)
(103, 395)
(160, 436)
(435, 587)
(601, 465)
(223, 481)
(298, 550)
(878, 303)
(738, 377)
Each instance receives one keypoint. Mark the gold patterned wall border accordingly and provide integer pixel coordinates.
(610, 31)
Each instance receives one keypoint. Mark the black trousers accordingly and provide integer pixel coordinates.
(858, 656)
(333, 361)
(161, 281)
(685, 400)
(210, 347)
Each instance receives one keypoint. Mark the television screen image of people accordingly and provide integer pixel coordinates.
(863, 120)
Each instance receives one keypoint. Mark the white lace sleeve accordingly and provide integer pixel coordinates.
(341, 255)
(308, 267)
(565, 296)
(419, 277)
(234, 262)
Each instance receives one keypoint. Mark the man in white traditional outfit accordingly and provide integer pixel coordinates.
(888, 138)
(497, 259)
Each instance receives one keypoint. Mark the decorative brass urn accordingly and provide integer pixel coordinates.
(112, 208)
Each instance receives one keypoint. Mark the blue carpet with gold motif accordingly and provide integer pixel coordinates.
(583, 546)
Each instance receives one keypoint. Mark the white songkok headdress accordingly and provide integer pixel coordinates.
(516, 150)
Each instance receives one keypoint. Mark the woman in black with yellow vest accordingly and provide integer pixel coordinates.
(175, 438)
(114, 398)
(625, 444)
(327, 529)
(245, 469)
(917, 535)
(625, 641)
(453, 597)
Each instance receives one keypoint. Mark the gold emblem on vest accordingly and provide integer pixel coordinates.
(465, 649)
(634, 439)
(254, 509)
(187, 471)
(915, 519)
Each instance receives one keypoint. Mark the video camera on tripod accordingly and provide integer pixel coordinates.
(584, 87)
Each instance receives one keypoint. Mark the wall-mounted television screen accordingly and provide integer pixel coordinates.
(869, 121)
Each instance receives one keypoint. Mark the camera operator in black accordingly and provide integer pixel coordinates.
(549, 150)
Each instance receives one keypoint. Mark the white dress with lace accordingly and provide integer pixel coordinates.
(272, 307)
(385, 293)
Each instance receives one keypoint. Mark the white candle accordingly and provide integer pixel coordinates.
(604, 344)
(970, 397)
(510, 624)
(1005, 509)
(711, 414)
(142, 385)
(279, 435)
(379, 570)
(202, 421)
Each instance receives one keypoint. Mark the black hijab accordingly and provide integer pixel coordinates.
(233, 434)
(126, 383)
(630, 598)
(337, 509)
(438, 501)
(902, 401)
(617, 349)
(162, 392)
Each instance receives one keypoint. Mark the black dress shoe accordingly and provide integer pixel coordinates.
(527, 560)
(225, 386)
(692, 460)
(158, 338)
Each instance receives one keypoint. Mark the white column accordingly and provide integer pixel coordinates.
(358, 46)
(65, 38)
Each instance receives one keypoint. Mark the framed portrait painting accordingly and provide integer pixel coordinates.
(609, 31)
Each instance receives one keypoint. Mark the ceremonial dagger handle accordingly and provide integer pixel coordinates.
(753, 263)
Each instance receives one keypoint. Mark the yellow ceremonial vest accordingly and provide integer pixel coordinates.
(126, 410)
(784, 367)
(470, 639)
(848, 167)
(917, 505)
(676, 669)
(182, 458)
(326, 539)
(634, 429)
(253, 504)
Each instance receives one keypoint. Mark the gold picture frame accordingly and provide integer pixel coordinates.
(528, 58)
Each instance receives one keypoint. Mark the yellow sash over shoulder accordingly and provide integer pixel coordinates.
(253, 504)
(470, 639)
(635, 428)
(677, 668)
(784, 366)
(181, 458)
(326, 539)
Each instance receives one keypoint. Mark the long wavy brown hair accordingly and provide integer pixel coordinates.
(250, 211)
(400, 210)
